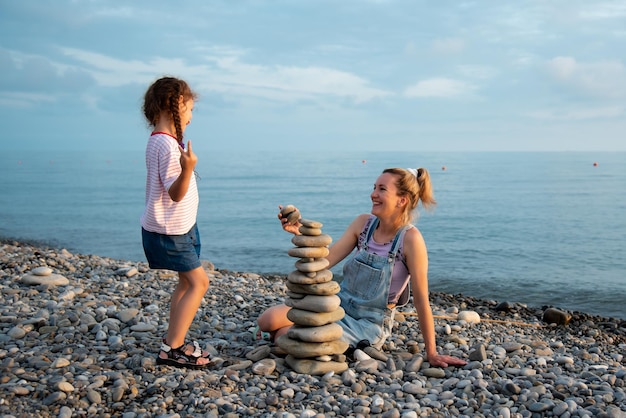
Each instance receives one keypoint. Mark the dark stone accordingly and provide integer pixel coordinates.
(504, 307)
(478, 353)
(556, 316)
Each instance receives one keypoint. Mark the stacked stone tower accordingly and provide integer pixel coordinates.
(313, 344)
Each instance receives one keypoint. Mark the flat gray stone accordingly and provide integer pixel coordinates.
(127, 315)
(312, 265)
(16, 333)
(264, 367)
(143, 327)
(368, 366)
(299, 277)
(328, 288)
(374, 353)
(300, 349)
(311, 224)
(315, 367)
(324, 333)
(308, 252)
(321, 240)
(434, 372)
(49, 280)
(511, 346)
(313, 319)
(259, 353)
(294, 295)
(315, 303)
(310, 231)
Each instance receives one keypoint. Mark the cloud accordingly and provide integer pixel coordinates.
(34, 78)
(289, 83)
(479, 72)
(603, 10)
(114, 72)
(448, 45)
(439, 87)
(116, 12)
(605, 79)
(579, 114)
(24, 100)
(522, 59)
(222, 70)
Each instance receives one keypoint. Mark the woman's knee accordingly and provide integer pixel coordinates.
(274, 318)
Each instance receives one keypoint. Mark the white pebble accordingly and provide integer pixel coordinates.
(360, 355)
(469, 317)
(42, 271)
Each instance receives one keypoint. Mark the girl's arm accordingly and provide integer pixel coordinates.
(188, 160)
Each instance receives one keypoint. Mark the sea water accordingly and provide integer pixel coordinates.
(536, 228)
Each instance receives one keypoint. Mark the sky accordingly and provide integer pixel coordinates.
(318, 76)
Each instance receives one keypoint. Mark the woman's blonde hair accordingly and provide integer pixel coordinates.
(415, 188)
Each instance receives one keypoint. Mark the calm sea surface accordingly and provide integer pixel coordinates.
(536, 228)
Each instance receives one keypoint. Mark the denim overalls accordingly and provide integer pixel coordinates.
(365, 292)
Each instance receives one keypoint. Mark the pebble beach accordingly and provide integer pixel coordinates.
(79, 335)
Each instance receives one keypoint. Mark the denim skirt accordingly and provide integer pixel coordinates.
(172, 252)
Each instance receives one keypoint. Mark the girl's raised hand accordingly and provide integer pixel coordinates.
(188, 159)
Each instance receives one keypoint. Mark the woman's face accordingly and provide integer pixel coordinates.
(385, 199)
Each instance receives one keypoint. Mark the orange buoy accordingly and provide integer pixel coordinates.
(443, 168)
(595, 164)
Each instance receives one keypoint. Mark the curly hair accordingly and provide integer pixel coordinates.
(415, 188)
(164, 95)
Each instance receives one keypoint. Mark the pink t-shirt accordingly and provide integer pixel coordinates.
(162, 215)
(400, 275)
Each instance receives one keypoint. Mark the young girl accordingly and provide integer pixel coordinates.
(169, 231)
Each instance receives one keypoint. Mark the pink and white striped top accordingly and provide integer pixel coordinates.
(162, 215)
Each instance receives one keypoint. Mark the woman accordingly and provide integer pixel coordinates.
(391, 255)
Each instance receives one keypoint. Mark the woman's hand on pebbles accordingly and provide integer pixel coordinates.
(445, 361)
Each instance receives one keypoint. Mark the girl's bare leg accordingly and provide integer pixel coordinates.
(186, 299)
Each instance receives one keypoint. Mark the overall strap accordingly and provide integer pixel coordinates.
(404, 297)
(393, 251)
(370, 232)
